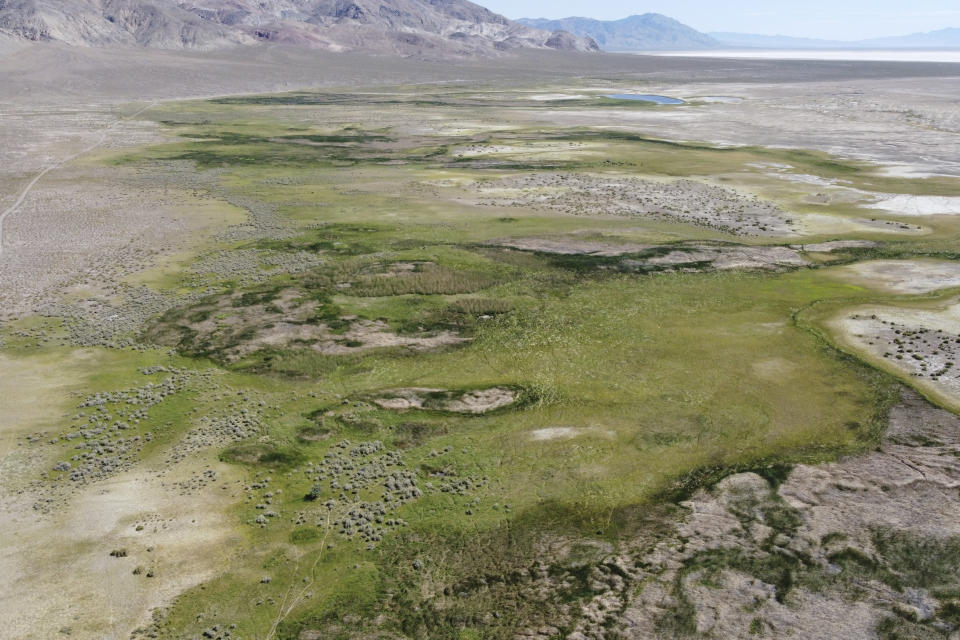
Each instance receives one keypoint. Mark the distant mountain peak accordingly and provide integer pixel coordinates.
(646, 32)
(942, 39)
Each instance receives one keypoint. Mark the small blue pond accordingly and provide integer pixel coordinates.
(645, 98)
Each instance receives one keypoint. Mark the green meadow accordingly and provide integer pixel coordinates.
(633, 387)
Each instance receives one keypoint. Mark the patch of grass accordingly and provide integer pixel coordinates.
(407, 435)
(305, 535)
(949, 612)
(444, 580)
(250, 298)
(896, 628)
(919, 561)
(776, 569)
(313, 433)
(481, 306)
(427, 279)
(835, 536)
(263, 455)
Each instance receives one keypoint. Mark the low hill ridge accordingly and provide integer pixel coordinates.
(647, 32)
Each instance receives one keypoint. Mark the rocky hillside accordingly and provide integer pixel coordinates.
(648, 32)
(443, 27)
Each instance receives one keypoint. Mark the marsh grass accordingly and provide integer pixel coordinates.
(657, 383)
(427, 279)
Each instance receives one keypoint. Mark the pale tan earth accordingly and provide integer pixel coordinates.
(475, 401)
(58, 572)
(837, 245)
(685, 256)
(547, 434)
(773, 368)
(902, 276)
(403, 399)
(571, 246)
(919, 205)
(482, 401)
(539, 150)
(374, 334)
(872, 332)
(64, 559)
(734, 257)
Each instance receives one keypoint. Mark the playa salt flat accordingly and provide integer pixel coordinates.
(908, 205)
(903, 276)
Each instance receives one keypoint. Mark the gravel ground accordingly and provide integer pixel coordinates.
(910, 124)
(687, 201)
(83, 224)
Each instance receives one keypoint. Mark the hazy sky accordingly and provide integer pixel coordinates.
(834, 19)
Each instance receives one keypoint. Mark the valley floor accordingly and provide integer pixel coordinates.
(477, 351)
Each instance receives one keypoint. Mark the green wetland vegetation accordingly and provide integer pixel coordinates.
(426, 408)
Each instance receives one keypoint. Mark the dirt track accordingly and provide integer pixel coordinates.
(30, 185)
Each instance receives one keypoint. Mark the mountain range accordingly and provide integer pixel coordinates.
(428, 28)
(656, 32)
(650, 31)
(942, 39)
(406, 27)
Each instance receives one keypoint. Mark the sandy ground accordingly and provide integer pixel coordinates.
(49, 73)
(919, 205)
(61, 579)
(902, 276)
(547, 434)
(909, 123)
(477, 401)
(919, 344)
(58, 574)
(82, 222)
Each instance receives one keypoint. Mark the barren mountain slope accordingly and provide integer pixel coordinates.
(390, 26)
(113, 22)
